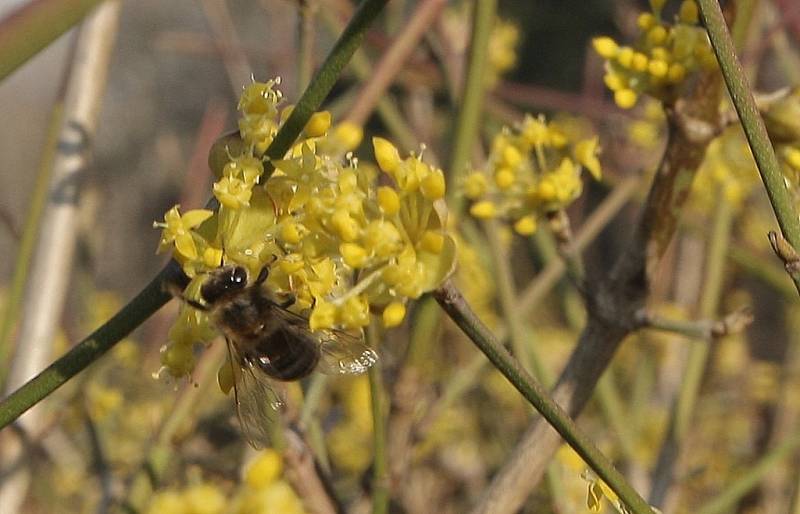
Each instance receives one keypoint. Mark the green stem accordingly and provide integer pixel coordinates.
(525, 352)
(32, 27)
(468, 121)
(30, 232)
(153, 296)
(380, 462)
(456, 307)
(767, 162)
(149, 300)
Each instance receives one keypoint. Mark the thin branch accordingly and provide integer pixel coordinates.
(451, 301)
(707, 330)
(306, 478)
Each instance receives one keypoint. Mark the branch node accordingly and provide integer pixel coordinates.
(785, 252)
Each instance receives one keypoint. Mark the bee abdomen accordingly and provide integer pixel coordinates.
(287, 355)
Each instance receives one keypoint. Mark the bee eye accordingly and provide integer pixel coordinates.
(239, 275)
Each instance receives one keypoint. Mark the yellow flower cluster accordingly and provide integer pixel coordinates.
(662, 58)
(502, 51)
(728, 168)
(335, 240)
(262, 491)
(532, 169)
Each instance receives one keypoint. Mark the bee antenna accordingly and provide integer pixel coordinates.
(262, 275)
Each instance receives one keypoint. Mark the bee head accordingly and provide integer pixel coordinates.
(224, 281)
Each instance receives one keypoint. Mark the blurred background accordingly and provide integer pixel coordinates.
(176, 72)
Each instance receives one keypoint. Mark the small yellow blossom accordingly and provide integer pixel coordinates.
(264, 469)
(688, 12)
(232, 193)
(177, 230)
(536, 168)
(645, 21)
(323, 317)
(474, 185)
(432, 185)
(504, 178)
(386, 154)
(525, 226)
(605, 46)
(388, 200)
(393, 314)
(483, 210)
(318, 124)
(354, 255)
(625, 98)
(178, 358)
(204, 499)
(658, 68)
(349, 135)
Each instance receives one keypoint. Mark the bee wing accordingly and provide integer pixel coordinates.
(345, 353)
(341, 352)
(256, 400)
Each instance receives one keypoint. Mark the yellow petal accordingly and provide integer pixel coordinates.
(386, 154)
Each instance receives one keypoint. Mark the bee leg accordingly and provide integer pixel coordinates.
(288, 302)
(264, 273)
(194, 303)
(175, 291)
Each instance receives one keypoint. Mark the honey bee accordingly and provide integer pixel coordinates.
(267, 343)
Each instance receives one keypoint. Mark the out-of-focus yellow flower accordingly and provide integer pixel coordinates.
(728, 168)
(536, 168)
(102, 400)
(203, 498)
(264, 469)
(167, 501)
